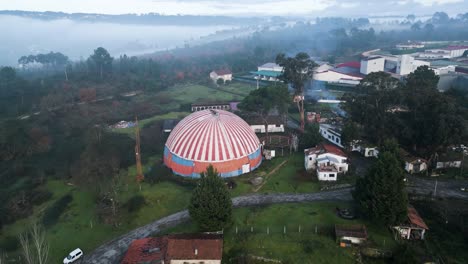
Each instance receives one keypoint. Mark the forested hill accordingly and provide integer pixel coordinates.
(150, 18)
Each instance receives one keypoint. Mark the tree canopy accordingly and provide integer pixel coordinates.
(102, 60)
(211, 206)
(296, 71)
(265, 99)
(380, 194)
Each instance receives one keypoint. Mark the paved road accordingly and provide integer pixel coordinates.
(444, 189)
(112, 251)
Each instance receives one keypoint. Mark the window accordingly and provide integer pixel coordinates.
(332, 176)
(333, 137)
(310, 158)
(337, 140)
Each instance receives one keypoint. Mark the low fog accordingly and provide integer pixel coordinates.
(79, 39)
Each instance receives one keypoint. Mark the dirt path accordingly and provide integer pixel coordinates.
(269, 174)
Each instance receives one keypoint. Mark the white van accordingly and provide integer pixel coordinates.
(73, 256)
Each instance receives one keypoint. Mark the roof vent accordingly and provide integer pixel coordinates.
(196, 252)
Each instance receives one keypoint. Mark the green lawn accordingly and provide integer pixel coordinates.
(147, 121)
(193, 93)
(74, 228)
(306, 246)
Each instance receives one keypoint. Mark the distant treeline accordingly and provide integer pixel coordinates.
(150, 18)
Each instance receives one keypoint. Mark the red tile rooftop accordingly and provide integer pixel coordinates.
(415, 219)
(350, 64)
(175, 247)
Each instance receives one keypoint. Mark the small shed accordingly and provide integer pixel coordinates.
(414, 228)
(348, 235)
(413, 164)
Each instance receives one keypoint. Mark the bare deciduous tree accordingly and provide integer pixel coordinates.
(34, 245)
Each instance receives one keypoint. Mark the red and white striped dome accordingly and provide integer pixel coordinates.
(212, 136)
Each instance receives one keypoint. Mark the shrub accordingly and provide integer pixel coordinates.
(53, 213)
(9, 243)
(40, 197)
(135, 203)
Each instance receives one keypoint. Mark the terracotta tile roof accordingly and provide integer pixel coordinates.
(358, 231)
(146, 249)
(325, 148)
(181, 247)
(175, 247)
(333, 149)
(415, 219)
(350, 64)
(223, 72)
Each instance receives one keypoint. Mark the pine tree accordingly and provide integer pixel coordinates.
(381, 194)
(211, 206)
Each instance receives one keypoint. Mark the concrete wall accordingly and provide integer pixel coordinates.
(372, 65)
(271, 128)
(327, 176)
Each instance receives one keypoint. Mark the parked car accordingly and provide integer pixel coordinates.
(73, 256)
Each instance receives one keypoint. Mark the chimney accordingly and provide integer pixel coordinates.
(196, 252)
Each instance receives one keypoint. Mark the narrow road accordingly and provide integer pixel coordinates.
(113, 251)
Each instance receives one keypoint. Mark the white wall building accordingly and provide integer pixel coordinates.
(270, 66)
(407, 64)
(332, 76)
(372, 64)
(445, 53)
(365, 149)
(331, 134)
(225, 75)
(327, 160)
(275, 124)
(409, 45)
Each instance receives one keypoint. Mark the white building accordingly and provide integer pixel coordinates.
(445, 53)
(270, 66)
(327, 160)
(443, 69)
(331, 133)
(225, 75)
(407, 64)
(365, 149)
(333, 76)
(372, 64)
(275, 124)
(409, 46)
(413, 164)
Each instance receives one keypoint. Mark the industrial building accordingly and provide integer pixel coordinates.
(215, 137)
(372, 64)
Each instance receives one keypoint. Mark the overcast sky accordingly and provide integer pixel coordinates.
(244, 7)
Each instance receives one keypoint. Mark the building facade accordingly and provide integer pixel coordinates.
(225, 75)
(372, 64)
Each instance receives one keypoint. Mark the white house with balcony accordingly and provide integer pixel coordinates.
(327, 160)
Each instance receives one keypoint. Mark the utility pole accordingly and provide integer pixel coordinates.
(139, 177)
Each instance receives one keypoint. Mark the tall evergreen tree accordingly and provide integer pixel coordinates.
(381, 194)
(211, 206)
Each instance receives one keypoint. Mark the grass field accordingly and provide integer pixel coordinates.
(80, 227)
(306, 246)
